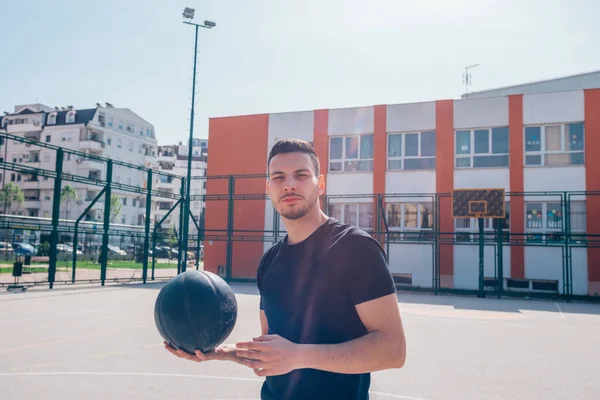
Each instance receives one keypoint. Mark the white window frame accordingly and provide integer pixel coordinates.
(472, 153)
(357, 213)
(51, 118)
(544, 231)
(471, 232)
(402, 156)
(70, 117)
(543, 152)
(344, 160)
(408, 233)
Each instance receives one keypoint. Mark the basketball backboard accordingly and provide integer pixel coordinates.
(478, 203)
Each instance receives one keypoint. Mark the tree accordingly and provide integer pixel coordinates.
(11, 198)
(67, 195)
(115, 207)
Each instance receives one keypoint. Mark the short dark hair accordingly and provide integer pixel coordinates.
(295, 145)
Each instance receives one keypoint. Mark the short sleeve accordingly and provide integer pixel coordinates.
(262, 267)
(366, 273)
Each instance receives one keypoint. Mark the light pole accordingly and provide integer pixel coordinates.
(188, 15)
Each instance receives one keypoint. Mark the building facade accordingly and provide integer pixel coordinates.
(173, 159)
(535, 145)
(116, 133)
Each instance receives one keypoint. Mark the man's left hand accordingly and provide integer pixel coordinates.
(269, 355)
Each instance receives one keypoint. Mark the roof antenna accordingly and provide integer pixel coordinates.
(467, 78)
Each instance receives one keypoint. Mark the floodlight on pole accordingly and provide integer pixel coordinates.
(188, 13)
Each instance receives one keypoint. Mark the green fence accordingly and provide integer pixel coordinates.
(64, 239)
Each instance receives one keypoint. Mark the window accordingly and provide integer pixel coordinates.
(544, 220)
(357, 214)
(410, 220)
(351, 153)
(110, 121)
(48, 138)
(411, 151)
(52, 118)
(554, 144)
(467, 229)
(482, 148)
(71, 117)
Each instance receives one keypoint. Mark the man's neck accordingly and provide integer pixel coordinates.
(298, 230)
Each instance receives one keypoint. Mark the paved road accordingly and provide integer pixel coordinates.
(101, 343)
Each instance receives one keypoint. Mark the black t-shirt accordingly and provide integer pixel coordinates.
(309, 291)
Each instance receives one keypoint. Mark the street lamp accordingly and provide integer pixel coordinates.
(188, 15)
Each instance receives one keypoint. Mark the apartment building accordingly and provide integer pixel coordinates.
(173, 159)
(107, 131)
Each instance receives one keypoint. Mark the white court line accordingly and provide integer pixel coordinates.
(560, 311)
(51, 316)
(397, 396)
(153, 374)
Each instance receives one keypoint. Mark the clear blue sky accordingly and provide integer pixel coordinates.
(281, 55)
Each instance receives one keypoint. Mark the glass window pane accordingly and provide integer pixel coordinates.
(482, 141)
(352, 147)
(394, 215)
(365, 215)
(490, 161)
(553, 216)
(500, 140)
(533, 216)
(411, 145)
(395, 164)
(553, 138)
(533, 138)
(574, 137)
(462, 223)
(578, 217)
(557, 159)
(410, 215)
(335, 211)
(335, 166)
(335, 149)
(577, 158)
(533, 160)
(395, 146)
(366, 147)
(463, 142)
(463, 162)
(419, 163)
(428, 144)
(426, 216)
(350, 214)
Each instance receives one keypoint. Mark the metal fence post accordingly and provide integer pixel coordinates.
(147, 228)
(182, 215)
(228, 266)
(55, 215)
(106, 225)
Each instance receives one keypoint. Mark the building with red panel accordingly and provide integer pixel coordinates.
(536, 141)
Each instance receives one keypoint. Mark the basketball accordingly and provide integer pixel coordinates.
(196, 310)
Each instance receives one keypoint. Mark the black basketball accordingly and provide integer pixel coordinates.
(195, 310)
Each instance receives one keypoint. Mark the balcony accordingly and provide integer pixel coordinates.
(92, 144)
(88, 163)
(19, 128)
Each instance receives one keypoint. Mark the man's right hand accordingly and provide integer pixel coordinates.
(225, 352)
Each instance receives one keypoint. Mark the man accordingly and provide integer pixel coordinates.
(328, 306)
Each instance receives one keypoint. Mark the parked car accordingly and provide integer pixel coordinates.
(24, 249)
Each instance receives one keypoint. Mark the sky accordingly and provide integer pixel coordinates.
(268, 56)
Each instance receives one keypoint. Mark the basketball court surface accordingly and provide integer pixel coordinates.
(101, 343)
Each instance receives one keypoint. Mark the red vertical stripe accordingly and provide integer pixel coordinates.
(444, 177)
(592, 182)
(321, 142)
(380, 158)
(517, 203)
(230, 138)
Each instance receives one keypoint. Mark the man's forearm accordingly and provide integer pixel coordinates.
(372, 352)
